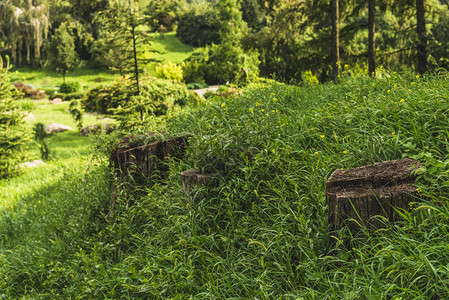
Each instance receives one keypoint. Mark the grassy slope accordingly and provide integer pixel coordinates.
(170, 47)
(65, 148)
(261, 232)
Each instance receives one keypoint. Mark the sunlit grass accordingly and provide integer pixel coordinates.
(261, 230)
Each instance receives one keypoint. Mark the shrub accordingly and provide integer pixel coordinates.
(223, 63)
(12, 133)
(199, 27)
(169, 71)
(70, 87)
(158, 97)
(41, 136)
(30, 91)
(77, 112)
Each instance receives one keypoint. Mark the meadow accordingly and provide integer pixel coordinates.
(261, 230)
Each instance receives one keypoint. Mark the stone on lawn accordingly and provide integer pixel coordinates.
(56, 128)
(56, 101)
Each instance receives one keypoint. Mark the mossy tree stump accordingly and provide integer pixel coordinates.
(368, 191)
(143, 161)
(136, 164)
(191, 178)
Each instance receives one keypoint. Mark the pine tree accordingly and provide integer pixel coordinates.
(61, 51)
(12, 133)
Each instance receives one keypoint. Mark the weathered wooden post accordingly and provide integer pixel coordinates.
(191, 178)
(136, 164)
(142, 161)
(368, 191)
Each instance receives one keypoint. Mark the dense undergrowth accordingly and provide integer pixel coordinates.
(261, 231)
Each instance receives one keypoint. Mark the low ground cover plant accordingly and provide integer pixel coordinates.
(261, 231)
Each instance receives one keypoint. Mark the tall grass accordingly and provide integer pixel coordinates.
(261, 230)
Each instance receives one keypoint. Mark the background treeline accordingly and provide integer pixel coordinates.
(238, 39)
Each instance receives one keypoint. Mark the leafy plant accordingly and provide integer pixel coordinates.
(169, 71)
(70, 87)
(41, 136)
(77, 112)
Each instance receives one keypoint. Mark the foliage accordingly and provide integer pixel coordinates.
(41, 136)
(12, 134)
(61, 53)
(169, 71)
(198, 26)
(439, 46)
(226, 62)
(25, 25)
(77, 112)
(70, 87)
(158, 97)
(162, 13)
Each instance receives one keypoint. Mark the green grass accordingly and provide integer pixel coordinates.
(170, 47)
(63, 145)
(261, 231)
(45, 79)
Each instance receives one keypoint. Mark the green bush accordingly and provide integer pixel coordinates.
(158, 96)
(12, 134)
(199, 27)
(223, 63)
(169, 71)
(77, 112)
(70, 87)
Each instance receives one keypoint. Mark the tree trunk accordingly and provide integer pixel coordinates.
(371, 37)
(335, 55)
(422, 39)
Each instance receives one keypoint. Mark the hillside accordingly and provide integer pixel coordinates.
(261, 231)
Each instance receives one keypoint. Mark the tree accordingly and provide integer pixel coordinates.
(62, 56)
(120, 22)
(422, 39)
(335, 38)
(12, 133)
(25, 25)
(371, 37)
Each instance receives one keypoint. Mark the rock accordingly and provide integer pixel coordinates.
(375, 190)
(29, 117)
(108, 120)
(89, 129)
(56, 101)
(33, 164)
(55, 128)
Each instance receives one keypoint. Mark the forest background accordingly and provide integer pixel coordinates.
(284, 39)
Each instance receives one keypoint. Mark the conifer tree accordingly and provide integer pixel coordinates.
(12, 133)
(61, 51)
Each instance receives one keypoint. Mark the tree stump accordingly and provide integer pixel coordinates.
(191, 178)
(368, 191)
(141, 162)
(134, 164)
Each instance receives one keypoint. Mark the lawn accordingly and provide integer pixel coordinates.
(169, 49)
